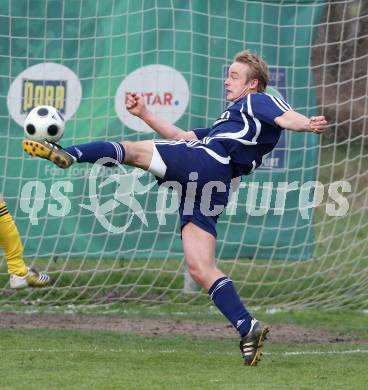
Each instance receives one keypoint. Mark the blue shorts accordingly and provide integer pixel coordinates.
(204, 177)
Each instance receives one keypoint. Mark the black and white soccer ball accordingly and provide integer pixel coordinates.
(44, 123)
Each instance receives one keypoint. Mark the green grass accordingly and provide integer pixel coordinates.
(350, 322)
(345, 322)
(87, 359)
(353, 323)
(62, 359)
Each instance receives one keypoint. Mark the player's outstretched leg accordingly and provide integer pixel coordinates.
(20, 275)
(251, 344)
(83, 153)
(48, 151)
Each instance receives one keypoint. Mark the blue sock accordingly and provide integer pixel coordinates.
(227, 300)
(93, 151)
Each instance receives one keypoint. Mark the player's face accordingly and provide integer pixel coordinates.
(238, 82)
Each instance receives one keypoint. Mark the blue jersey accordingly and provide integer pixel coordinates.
(246, 131)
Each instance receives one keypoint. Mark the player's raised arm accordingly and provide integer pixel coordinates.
(292, 120)
(136, 106)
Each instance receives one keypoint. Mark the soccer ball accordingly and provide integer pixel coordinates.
(44, 123)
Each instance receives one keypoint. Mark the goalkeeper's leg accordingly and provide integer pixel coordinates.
(20, 275)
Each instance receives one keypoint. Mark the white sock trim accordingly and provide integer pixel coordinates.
(119, 153)
(221, 284)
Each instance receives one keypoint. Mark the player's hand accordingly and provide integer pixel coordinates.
(318, 124)
(135, 104)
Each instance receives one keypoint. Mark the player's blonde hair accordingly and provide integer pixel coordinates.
(258, 69)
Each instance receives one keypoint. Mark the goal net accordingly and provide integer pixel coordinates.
(294, 234)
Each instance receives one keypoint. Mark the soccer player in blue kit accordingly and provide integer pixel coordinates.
(233, 146)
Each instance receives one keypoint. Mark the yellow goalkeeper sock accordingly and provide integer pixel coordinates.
(10, 243)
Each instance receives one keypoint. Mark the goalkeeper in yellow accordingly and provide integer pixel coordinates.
(21, 276)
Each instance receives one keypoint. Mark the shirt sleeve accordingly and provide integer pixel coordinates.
(266, 107)
(201, 132)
